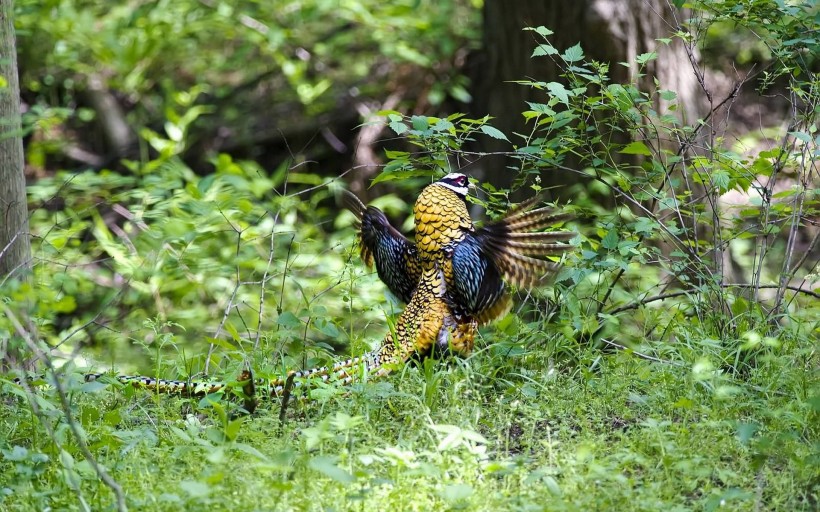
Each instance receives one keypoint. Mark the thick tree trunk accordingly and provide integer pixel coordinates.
(15, 248)
(610, 31)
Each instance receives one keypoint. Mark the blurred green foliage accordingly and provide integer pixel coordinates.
(313, 54)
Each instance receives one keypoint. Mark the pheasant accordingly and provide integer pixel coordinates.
(453, 277)
(459, 270)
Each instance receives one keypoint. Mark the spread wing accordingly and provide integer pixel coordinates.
(394, 256)
(507, 251)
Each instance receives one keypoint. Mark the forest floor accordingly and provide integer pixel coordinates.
(502, 430)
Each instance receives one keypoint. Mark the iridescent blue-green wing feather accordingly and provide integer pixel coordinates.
(478, 289)
(508, 250)
(394, 256)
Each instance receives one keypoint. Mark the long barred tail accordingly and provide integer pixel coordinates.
(343, 373)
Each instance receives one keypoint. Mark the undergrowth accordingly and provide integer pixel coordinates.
(513, 431)
(672, 366)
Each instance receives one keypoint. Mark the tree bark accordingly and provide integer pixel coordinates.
(15, 248)
(15, 245)
(611, 31)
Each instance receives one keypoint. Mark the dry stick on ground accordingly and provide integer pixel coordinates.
(642, 355)
(66, 407)
(286, 392)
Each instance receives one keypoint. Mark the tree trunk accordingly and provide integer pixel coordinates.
(15, 247)
(611, 31)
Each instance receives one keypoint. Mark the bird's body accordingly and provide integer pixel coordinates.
(459, 270)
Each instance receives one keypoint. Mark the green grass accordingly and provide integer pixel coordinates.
(494, 432)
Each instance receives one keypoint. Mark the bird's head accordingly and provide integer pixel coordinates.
(457, 182)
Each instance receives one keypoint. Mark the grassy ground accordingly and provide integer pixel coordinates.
(500, 431)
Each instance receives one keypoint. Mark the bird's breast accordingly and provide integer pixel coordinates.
(440, 218)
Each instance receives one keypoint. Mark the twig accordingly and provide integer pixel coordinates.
(94, 319)
(66, 407)
(265, 280)
(665, 296)
(286, 392)
(641, 355)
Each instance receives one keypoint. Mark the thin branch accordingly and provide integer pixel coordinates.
(66, 407)
(666, 296)
(265, 280)
(641, 355)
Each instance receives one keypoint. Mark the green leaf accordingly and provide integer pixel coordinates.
(668, 95)
(219, 342)
(420, 123)
(233, 427)
(460, 94)
(327, 466)
(559, 91)
(93, 386)
(180, 434)
(327, 328)
(720, 178)
(231, 328)
(289, 320)
(803, 136)
(443, 125)
(195, 489)
(456, 492)
(544, 49)
(610, 241)
(174, 132)
(573, 53)
(392, 155)
(398, 126)
(406, 172)
(646, 57)
(763, 167)
(16, 454)
(253, 452)
(542, 30)
(636, 148)
(494, 132)
(645, 226)
(541, 108)
(790, 192)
